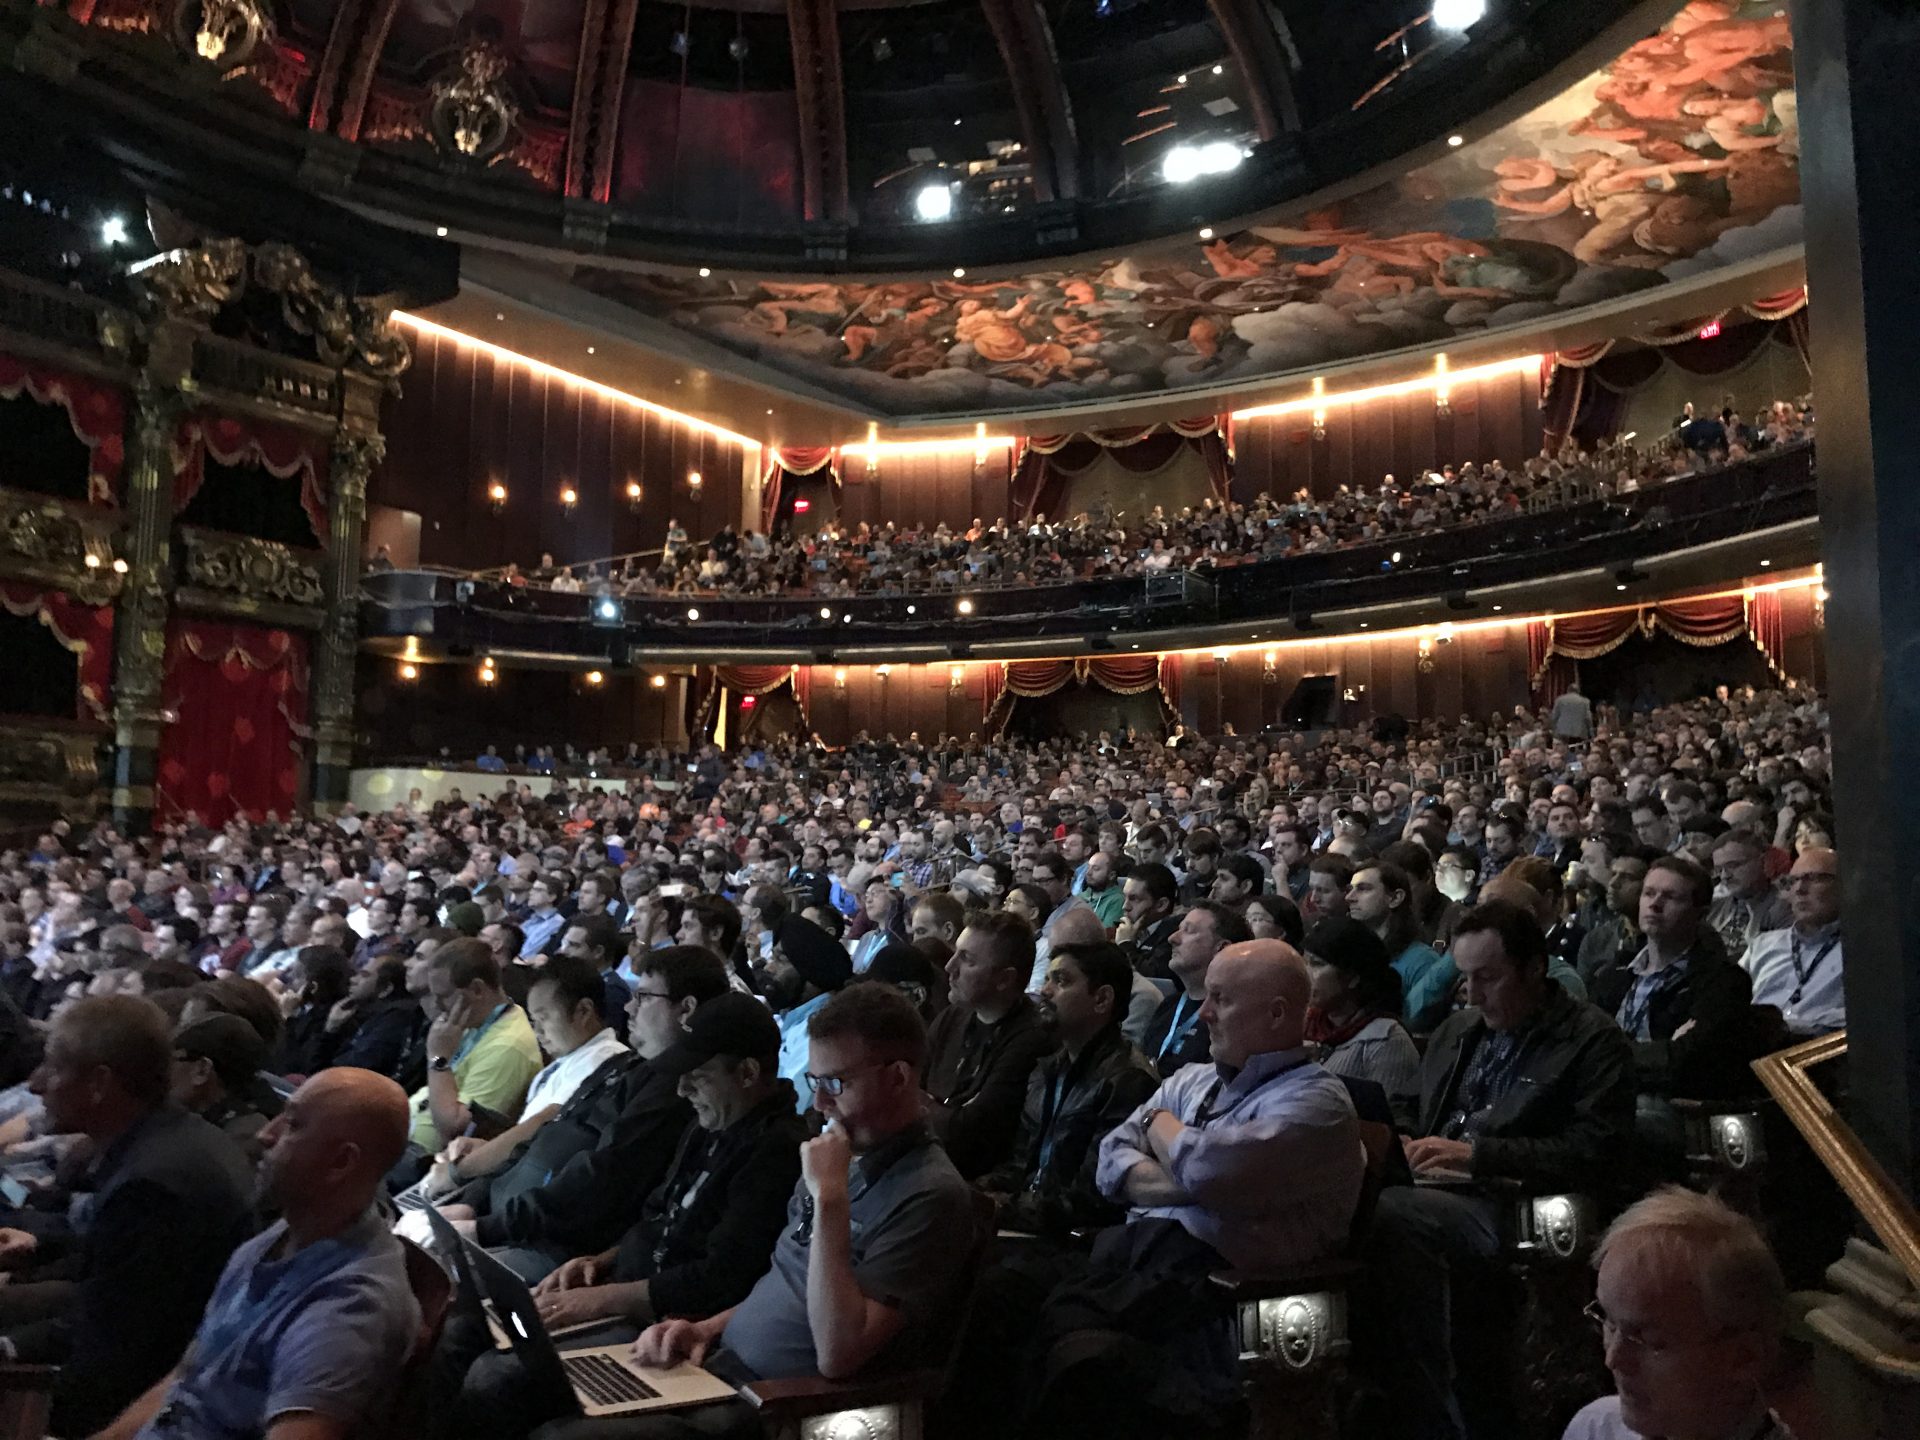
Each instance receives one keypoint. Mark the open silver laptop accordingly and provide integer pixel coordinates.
(603, 1378)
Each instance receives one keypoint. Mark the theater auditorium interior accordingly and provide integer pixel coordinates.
(922, 719)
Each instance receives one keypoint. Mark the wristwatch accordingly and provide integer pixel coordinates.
(1149, 1115)
(440, 1062)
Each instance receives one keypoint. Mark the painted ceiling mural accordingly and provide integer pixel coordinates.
(1679, 158)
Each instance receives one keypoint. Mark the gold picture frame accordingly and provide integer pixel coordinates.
(1886, 1208)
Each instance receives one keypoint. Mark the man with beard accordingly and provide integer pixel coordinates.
(807, 967)
(312, 1322)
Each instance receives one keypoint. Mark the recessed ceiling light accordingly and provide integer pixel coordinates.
(499, 314)
(769, 412)
(1219, 69)
(590, 349)
(1183, 80)
(1206, 232)
(1499, 607)
(1764, 564)
(959, 272)
(705, 272)
(1456, 141)
(441, 231)
(1620, 586)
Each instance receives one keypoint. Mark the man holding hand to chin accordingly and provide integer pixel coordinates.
(874, 1259)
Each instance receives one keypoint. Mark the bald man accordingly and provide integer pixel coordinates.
(1256, 1156)
(1253, 1161)
(1515, 891)
(311, 1324)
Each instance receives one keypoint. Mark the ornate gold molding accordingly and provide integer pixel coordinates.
(54, 544)
(473, 113)
(50, 771)
(256, 570)
(197, 283)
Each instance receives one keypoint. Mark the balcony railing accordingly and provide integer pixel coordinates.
(1774, 489)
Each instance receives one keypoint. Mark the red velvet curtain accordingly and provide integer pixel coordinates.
(1122, 674)
(238, 701)
(97, 411)
(275, 448)
(791, 462)
(85, 630)
(1553, 645)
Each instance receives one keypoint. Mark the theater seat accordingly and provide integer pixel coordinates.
(891, 1407)
(26, 1397)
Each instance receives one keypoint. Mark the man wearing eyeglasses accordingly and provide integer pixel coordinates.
(1689, 1309)
(1748, 906)
(878, 1244)
(1798, 970)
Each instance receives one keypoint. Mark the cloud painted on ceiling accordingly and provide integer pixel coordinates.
(1679, 158)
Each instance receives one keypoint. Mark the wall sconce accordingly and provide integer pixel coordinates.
(596, 677)
(1220, 657)
(873, 448)
(487, 673)
(1442, 396)
(658, 682)
(409, 672)
(1444, 635)
(839, 677)
(1319, 410)
(120, 566)
(633, 496)
(956, 679)
(882, 671)
(1269, 668)
(980, 445)
(1442, 404)
(569, 497)
(694, 482)
(497, 497)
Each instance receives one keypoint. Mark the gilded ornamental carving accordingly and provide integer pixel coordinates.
(45, 540)
(257, 570)
(473, 114)
(224, 34)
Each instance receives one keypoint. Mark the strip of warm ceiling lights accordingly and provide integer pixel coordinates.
(541, 367)
(1439, 380)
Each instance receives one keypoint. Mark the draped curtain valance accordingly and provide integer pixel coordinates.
(1122, 674)
(1553, 644)
(84, 630)
(278, 450)
(96, 410)
(1045, 464)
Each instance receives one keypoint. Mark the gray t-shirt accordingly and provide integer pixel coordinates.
(912, 1225)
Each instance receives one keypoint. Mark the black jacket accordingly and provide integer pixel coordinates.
(1709, 1062)
(1151, 951)
(577, 1184)
(1566, 1122)
(977, 1077)
(173, 1200)
(1071, 1106)
(708, 1229)
(1195, 1049)
(381, 1038)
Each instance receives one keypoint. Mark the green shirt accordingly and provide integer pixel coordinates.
(494, 1070)
(1109, 904)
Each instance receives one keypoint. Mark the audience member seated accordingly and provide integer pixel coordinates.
(1748, 905)
(310, 1327)
(1798, 970)
(1689, 1308)
(1381, 897)
(1075, 1097)
(1527, 1085)
(1686, 1007)
(216, 1065)
(828, 1306)
(379, 1017)
(807, 969)
(170, 1199)
(704, 1234)
(1176, 1036)
(984, 1046)
(1353, 1014)
(571, 1187)
(480, 1052)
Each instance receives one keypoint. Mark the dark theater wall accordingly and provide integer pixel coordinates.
(917, 488)
(1497, 418)
(467, 417)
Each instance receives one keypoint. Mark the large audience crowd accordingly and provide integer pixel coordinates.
(899, 558)
(770, 1067)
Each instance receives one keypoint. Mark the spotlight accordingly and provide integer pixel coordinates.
(1219, 69)
(1458, 14)
(120, 565)
(113, 231)
(705, 272)
(1189, 162)
(607, 609)
(596, 677)
(1454, 142)
(1396, 557)
(1766, 564)
(826, 612)
(692, 613)
(959, 272)
(93, 561)
(1206, 232)
(912, 608)
(934, 202)
(441, 231)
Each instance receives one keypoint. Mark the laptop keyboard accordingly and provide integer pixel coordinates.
(602, 1380)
